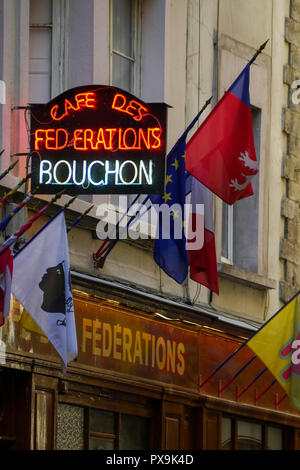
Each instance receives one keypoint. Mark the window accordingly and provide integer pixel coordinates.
(70, 427)
(249, 435)
(125, 53)
(40, 51)
(108, 431)
(47, 49)
(240, 221)
(125, 45)
(81, 428)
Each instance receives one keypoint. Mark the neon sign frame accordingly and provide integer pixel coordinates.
(98, 139)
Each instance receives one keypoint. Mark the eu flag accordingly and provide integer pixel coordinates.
(170, 245)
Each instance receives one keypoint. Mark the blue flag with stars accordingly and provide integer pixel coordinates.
(170, 253)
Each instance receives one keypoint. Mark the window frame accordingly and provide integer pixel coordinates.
(114, 402)
(59, 46)
(60, 38)
(136, 58)
(229, 229)
(264, 431)
(116, 436)
(229, 259)
(230, 65)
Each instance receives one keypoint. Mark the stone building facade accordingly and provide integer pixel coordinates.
(116, 397)
(290, 204)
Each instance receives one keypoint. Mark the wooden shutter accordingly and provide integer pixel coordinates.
(211, 430)
(172, 426)
(44, 406)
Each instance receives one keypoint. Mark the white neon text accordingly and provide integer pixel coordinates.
(96, 173)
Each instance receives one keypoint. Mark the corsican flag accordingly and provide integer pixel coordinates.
(41, 283)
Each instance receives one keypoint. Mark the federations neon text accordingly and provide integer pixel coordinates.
(101, 139)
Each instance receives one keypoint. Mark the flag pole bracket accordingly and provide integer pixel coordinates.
(21, 107)
(20, 154)
(220, 388)
(200, 382)
(279, 400)
(237, 392)
(255, 396)
(98, 262)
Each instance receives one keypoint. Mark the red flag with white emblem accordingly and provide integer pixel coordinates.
(221, 153)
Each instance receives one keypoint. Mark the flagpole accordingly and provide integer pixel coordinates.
(112, 243)
(79, 218)
(4, 222)
(258, 396)
(236, 374)
(49, 221)
(245, 343)
(251, 383)
(29, 223)
(98, 253)
(38, 214)
(259, 51)
(9, 168)
(14, 190)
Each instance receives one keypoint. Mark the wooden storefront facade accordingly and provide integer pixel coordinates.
(136, 383)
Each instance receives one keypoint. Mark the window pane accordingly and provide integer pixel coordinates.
(274, 438)
(40, 11)
(134, 433)
(249, 436)
(226, 434)
(40, 47)
(225, 251)
(122, 73)
(40, 65)
(96, 443)
(102, 421)
(123, 33)
(245, 215)
(70, 427)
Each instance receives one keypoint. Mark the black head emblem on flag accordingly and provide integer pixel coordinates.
(53, 287)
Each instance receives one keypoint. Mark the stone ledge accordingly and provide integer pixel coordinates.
(292, 32)
(287, 290)
(289, 251)
(290, 74)
(256, 281)
(289, 208)
(291, 124)
(295, 10)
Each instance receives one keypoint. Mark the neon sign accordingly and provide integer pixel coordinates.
(98, 140)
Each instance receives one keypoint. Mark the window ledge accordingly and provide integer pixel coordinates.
(241, 276)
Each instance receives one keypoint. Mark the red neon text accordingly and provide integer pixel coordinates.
(101, 139)
(133, 108)
(53, 139)
(83, 100)
(117, 139)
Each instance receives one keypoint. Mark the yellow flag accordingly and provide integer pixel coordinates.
(29, 324)
(277, 344)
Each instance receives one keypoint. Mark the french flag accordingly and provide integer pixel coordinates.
(203, 261)
(221, 153)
